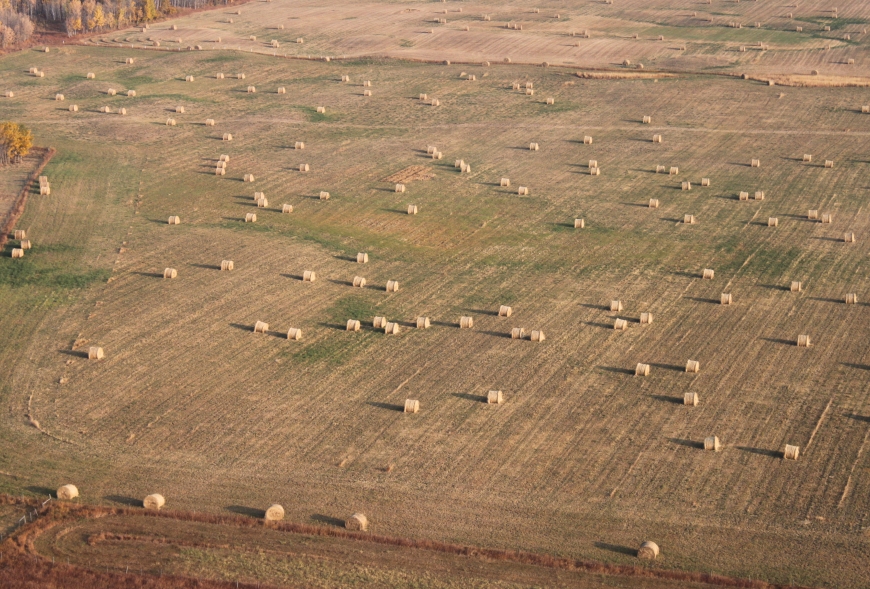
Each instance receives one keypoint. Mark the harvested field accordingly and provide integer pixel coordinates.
(584, 459)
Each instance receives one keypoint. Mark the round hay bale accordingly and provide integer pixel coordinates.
(169, 122)
(791, 452)
(174, 220)
(67, 492)
(379, 322)
(122, 111)
(59, 97)
(827, 218)
(646, 318)
(91, 76)
(587, 140)
(95, 353)
(400, 188)
(225, 158)
(537, 336)
(392, 285)
(743, 196)
(705, 182)
(686, 186)
(357, 522)
(412, 406)
(647, 120)
(674, 171)
(353, 325)
(829, 163)
(772, 222)
(391, 328)
(189, 79)
(220, 171)
(594, 171)
(755, 164)
(641, 370)
(294, 333)
(813, 215)
(20, 234)
(261, 327)
(689, 219)
(494, 398)
(362, 258)
(657, 138)
(9, 94)
(179, 109)
(321, 110)
(227, 265)
(759, 195)
(534, 147)
(620, 325)
(616, 305)
(155, 501)
(505, 182)
(851, 299)
(227, 137)
(466, 322)
(423, 323)
(274, 513)
(708, 274)
(286, 208)
(712, 443)
(252, 89)
(359, 281)
(209, 122)
(551, 100)
(693, 366)
(660, 169)
(219, 76)
(170, 273)
(807, 158)
(579, 223)
(74, 108)
(523, 191)
(725, 299)
(25, 244)
(262, 203)
(690, 399)
(505, 311)
(849, 237)
(648, 551)
(653, 203)
(309, 276)
(803, 341)
(282, 90)
(796, 286)
(518, 333)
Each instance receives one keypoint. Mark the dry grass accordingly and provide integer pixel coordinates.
(473, 247)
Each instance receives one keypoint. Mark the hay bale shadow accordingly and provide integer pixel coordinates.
(387, 406)
(702, 300)
(666, 399)
(687, 443)
(75, 353)
(328, 520)
(673, 367)
(761, 451)
(775, 340)
(616, 370)
(122, 500)
(206, 266)
(149, 274)
(42, 491)
(616, 548)
(247, 511)
(468, 397)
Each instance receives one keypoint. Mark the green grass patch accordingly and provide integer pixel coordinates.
(28, 272)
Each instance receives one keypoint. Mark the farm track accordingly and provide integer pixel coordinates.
(191, 402)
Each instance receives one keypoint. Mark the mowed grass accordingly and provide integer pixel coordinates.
(583, 456)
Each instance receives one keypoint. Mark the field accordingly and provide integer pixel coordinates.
(583, 460)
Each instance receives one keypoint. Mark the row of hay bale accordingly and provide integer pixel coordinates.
(20, 235)
(274, 512)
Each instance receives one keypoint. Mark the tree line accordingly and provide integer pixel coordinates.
(84, 16)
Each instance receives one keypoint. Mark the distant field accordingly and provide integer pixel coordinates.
(695, 36)
(584, 459)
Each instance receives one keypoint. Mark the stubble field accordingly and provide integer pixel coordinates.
(583, 459)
